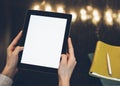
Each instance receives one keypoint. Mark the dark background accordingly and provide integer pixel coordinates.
(84, 37)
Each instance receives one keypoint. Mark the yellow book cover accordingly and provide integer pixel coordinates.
(103, 68)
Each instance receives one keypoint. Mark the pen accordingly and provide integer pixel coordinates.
(109, 64)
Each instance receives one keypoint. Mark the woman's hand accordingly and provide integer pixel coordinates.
(12, 57)
(67, 65)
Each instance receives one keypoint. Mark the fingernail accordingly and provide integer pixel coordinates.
(69, 38)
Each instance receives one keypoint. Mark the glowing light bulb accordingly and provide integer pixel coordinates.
(96, 16)
(96, 20)
(36, 7)
(83, 14)
(89, 8)
(108, 17)
(118, 18)
(83, 11)
(74, 16)
(48, 7)
(84, 17)
(60, 9)
(95, 12)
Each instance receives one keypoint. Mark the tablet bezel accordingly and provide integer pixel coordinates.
(22, 41)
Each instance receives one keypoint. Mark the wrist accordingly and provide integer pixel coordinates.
(8, 72)
(64, 82)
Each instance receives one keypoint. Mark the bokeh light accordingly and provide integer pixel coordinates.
(89, 8)
(48, 7)
(108, 17)
(86, 13)
(83, 14)
(96, 16)
(74, 16)
(36, 7)
(83, 11)
(60, 9)
(118, 18)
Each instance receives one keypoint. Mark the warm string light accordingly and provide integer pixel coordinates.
(83, 14)
(96, 16)
(36, 7)
(108, 17)
(60, 9)
(48, 7)
(86, 13)
(74, 16)
(118, 18)
(89, 8)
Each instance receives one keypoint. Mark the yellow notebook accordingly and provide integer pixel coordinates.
(101, 67)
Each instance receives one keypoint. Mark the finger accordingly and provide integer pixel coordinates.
(17, 50)
(70, 47)
(67, 54)
(71, 56)
(72, 61)
(15, 40)
(64, 59)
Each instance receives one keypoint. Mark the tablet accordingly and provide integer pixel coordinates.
(44, 39)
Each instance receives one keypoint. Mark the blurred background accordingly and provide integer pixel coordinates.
(92, 20)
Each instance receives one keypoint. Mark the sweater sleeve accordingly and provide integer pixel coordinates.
(5, 81)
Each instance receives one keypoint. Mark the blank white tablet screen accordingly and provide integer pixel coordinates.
(44, 41)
